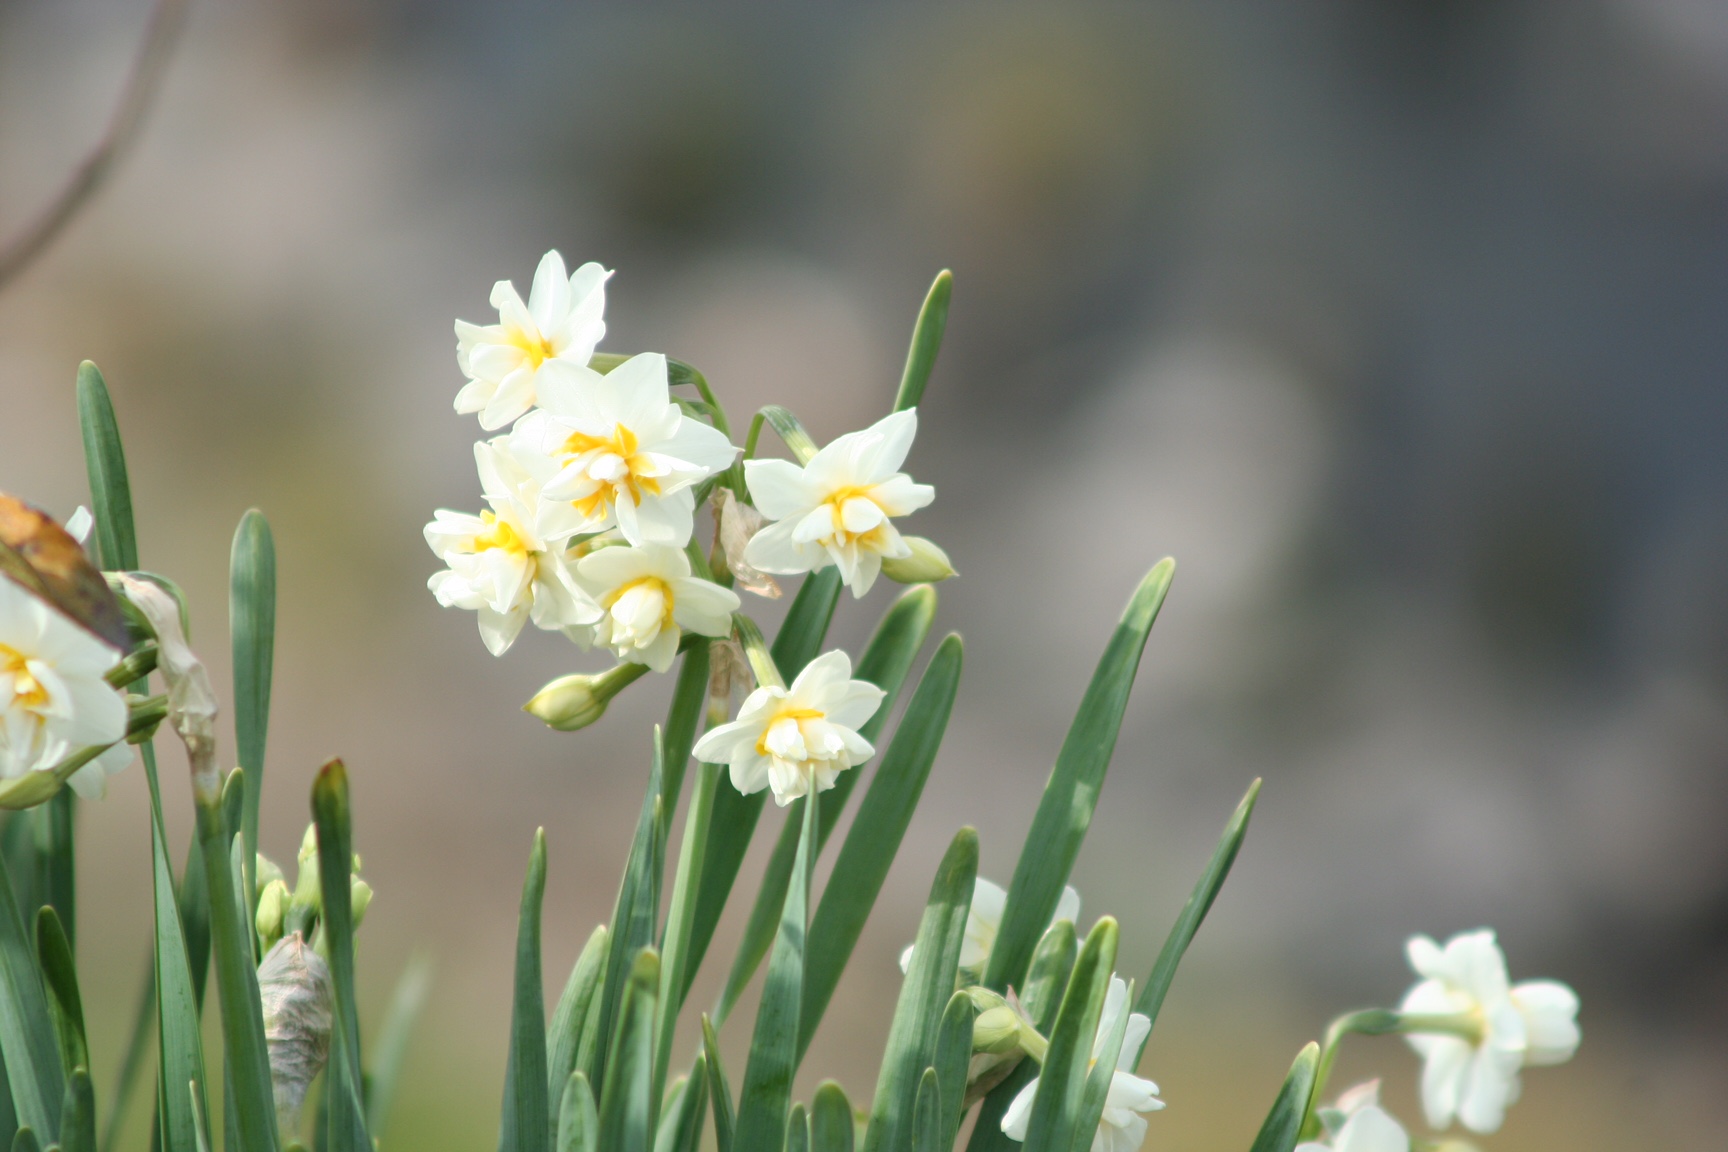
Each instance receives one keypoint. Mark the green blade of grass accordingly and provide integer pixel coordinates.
(719, 1091)
(1098, 1081)
(681, 913)
(1071, 795)
(578, 1117)
(571, 1019)
(28, 1040)
(105, 461)
(953, 1060)
(683, 717)
(24, 1140)
(870, 846)
(797, 1138)
(927, 1114)
(1062, 1079)
(926, 342)
(527, 1112)
(56, 861)
(634, 919)
(60, 975)
(831, 1123)
(885, 663)
(390, 1051)
(681, 1122)
(1279, 1131)
(1194, 911)
(252, 628)
(924, 995)
(626, 1113)
(735, 815)
(332, 814)
(78, 1114)
(766, 1096)
(1046, 980)
(180, 1047)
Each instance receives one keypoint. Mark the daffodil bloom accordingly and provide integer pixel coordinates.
(799, 738)
(1532, 1023)
(648, 599)
(838, 508)
(985, 920)
(498, 566)
(1122, 1127)
(614, 450)
(555, 330)
(53, 699)
(1358, 1124)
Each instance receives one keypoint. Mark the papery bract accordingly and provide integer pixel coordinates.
(499, 566)
(53, 699)
(648, 600)
(557, 328)
(793, 739)
(614, 450)
(1530, 1023)
(1122, 1127)
(838, 508)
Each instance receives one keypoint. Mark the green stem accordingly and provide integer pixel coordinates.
(681, 916)
(756, 651)
(1466, 1026)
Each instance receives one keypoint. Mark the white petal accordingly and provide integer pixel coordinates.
(1550, 1012)
(879, 456)
(779, 488)
(549, 297)
(774, 550)
(1444, 1069)
(1019, 1112)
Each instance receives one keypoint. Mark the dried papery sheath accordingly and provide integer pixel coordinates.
(734, 524)
(299, 1008)
(191, 701)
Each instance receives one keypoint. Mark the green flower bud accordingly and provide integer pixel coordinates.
(360, 897)
(996, 1030)
(572, 702)
(272, 911)
(928, 564)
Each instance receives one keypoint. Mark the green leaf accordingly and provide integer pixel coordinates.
(924, 995)
(987, 1134)
(797, 1130)
(202, 1129)
(790, 431)
(953, 1061)
(689, 699)
(634, 919)
(78, 1114)
(767, 1091)
(578, 1118)
(883, 817)
(1194, 911)
(626, 1113)
(105, 461)
(681, 913)
(1071, 795)
(60, 974)
(1284, 1121)
(719, 1091)
(55, 859)
(24, 1140)
(680, 1127)
(332, 814)
(527, 1112)
(252, 626)
(180, 1048)
(885, 663)
(1047, 977)
(927, 1114)
(1098, 1080)
(926, 342)
(390, 1051)
(574, 1015)
(831, 1122)
(1062, 1080)
(27, 1036)
(735, 815)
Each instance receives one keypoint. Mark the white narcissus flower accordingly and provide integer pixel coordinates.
(648, 600)
(838, 508)
(498, 565)
(1532, 1023)
(614, 450)
(985, 920)
(798, 738)
(1358, 1124)
(53, 699)
(1122, 1128)
(556, 329)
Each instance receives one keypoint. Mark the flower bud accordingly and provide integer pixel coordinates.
(576, 701)
(359, 898)
(928, 564)
(996, 1030)
(272, 911)
(298, 999)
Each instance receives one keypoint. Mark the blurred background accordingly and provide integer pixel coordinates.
(1403, 324)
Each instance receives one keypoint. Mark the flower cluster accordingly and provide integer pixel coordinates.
(592, 490)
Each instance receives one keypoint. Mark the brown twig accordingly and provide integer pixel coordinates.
(160, 36)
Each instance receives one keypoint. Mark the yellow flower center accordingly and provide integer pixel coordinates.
(627, 446)
(27, 691)
(796, 715)
(537, 348)
(837, 507)
(499, 534)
